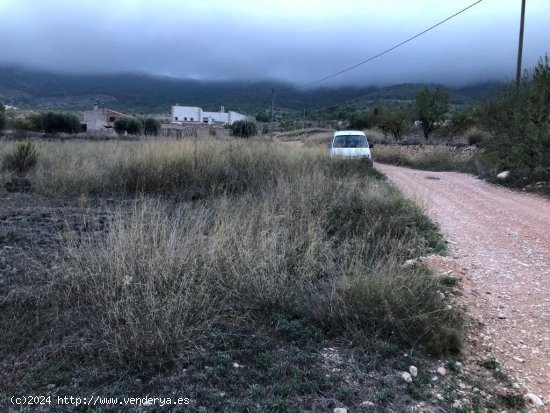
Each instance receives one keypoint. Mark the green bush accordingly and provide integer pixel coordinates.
(21, 160)
(360, 121)
(459, 123)
(244, 129)
(262, 117)
(50, 122)
(131, 126)
(25, 124)
(151, 126)
(518, 122)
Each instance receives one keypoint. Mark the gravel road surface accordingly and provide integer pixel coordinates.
(500, 241)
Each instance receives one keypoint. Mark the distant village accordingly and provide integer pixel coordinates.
(103, 119)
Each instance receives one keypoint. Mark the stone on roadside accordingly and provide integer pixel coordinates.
(441, 371)
(367, 403)
(411, 263)
(340, 410)
(413, 370)
(406, 377)
(533, 400)
(503, 175)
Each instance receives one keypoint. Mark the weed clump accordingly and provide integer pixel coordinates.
(21, 160)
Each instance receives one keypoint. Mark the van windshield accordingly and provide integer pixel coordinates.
(349, 141)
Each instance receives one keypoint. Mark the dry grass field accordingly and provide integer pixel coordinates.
(263, 276)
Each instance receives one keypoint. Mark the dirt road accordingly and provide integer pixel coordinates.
(500, 241)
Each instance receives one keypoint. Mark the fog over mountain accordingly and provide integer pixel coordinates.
(280, 40)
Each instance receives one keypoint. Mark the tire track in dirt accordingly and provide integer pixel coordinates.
(501, 239)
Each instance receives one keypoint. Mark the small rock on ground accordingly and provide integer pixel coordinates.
(406, 377)
(533, 400)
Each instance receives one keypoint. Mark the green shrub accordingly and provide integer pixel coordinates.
(244, 129)
(21, 160)
(51, 122)
(151, 126)
(475, 136)
(519, 125)
(459, 123)
(131, 126)
(262, 117)
(360, 121)
(25, 124)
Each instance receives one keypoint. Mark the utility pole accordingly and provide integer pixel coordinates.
(272, 113)
(520, 47)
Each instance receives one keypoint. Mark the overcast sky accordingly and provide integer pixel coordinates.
(293, 40)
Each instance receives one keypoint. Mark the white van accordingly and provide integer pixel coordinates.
(350, 144)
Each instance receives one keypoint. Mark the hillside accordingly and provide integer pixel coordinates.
(139, 93)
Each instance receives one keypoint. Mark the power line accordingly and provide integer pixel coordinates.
(390, 49)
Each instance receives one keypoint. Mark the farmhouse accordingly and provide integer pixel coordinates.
(99, 119)
(194, 114)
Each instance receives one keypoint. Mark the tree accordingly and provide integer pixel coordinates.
(131, 126)
(151, 126)
(244, 129)
(431, 108)
(359, 121)
(52, 122)
(394, 122)
(459, 123)
(262, 117)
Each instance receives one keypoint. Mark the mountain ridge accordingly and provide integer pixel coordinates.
(143, 93)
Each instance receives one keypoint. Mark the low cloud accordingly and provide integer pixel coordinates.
(293, 42)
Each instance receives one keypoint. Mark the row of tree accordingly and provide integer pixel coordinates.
(49, 122)
(517, 122)
(53, 122)
(430, 110)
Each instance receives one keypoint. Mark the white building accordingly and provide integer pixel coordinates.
(194, 114)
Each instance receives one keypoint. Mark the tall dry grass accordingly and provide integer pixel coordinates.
(290, 233)
(187, 168)
(430, 157)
